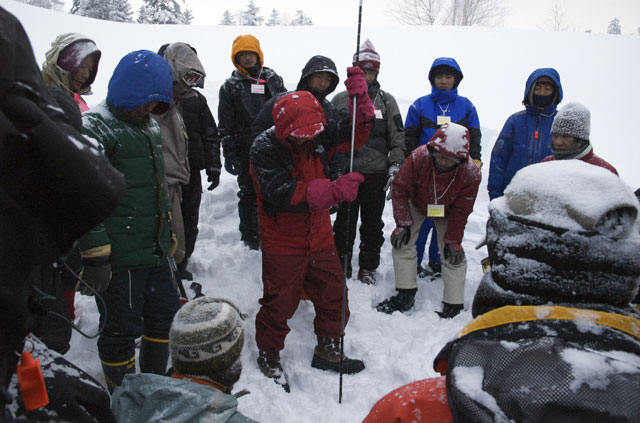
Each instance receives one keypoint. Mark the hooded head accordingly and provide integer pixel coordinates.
(314, 65)
(72, 63)
(141, 77)
(447, 66)
(247, 43)
(565, 232)
(543, 75)
(367, 58)
(186, 68)
(206, 339)
(298, 117)
(572, 120)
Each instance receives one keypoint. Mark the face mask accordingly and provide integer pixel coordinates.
(542, 100)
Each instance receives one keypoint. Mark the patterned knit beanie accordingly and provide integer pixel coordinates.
(206, 340)
(573, 120)
(369, 57)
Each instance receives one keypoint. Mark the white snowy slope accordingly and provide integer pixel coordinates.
(599, 71)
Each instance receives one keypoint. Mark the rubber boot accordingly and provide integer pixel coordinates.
(449, 310)
(270, 366)
(154, 355)
(326, 356)
(114, 372)
(402, 301)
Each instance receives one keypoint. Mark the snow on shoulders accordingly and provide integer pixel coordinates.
(570, 194)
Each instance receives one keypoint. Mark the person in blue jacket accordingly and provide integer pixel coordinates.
(525, 138)
(425, 116)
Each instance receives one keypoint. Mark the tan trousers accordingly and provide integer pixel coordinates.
(405, 262)
(177, 225)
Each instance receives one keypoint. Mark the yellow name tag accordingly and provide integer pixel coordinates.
(443, 119)
(435, 210)
(257, 89)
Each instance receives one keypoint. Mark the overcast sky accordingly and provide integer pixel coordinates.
(579, 15)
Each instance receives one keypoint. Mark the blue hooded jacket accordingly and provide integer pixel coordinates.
(422, 118)
(139, 78)
(525, 138)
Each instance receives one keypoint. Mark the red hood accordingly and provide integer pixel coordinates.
(452, 140)
(298, 115)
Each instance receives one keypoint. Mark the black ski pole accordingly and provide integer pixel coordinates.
(346, 253)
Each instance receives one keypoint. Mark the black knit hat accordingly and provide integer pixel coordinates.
(206, 340)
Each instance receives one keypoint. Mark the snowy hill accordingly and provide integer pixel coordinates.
(599, 71)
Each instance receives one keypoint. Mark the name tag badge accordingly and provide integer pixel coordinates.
(443, 119)
(257, 89)
(378, 113)
(435, 210)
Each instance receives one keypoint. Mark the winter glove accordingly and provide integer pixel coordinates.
(393, 171)
(323, 193)
(400, 236)
(453, 253)
(96, 272)
(478, 163)
(213, 176)
(231, 160)
(357, 86)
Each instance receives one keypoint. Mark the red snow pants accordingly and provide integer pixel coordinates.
(284, 277)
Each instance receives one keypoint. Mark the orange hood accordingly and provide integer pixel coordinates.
(245, 43)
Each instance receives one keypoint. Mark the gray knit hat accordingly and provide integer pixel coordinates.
(206, 340)
(574, 120)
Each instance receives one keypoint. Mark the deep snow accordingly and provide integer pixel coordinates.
(599, 71)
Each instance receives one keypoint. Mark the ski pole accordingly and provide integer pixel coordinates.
(346, 254)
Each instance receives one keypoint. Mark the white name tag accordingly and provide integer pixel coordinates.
(443, 119)
(378, 113)
(257, 89)
(435, 210)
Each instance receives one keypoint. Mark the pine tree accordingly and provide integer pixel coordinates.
(300, 19)
(227, 19)
(161, 12)
(188, 16)
(250, 16)
(108, 10)
(47, 4)
(274, 18)
(614, 27)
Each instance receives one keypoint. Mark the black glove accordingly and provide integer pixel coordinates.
(213, 176)
(453, 253)
(96, 272)
(400, 236)
(231, 160)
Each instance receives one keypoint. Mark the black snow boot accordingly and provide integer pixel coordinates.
(436, 268)
(269, 364)
(450, 310)
(402, 301)
(185, 275)
(154, 356)
(114, 371)
(327, 357)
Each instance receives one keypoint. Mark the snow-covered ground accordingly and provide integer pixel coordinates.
(599, 71)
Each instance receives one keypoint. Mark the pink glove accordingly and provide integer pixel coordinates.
(357, 86)
(323, 194)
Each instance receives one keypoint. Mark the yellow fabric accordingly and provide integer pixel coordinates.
(99, 251)
(478, 163)
(512, 314)
(158, 340)
(245, 43)
(129, 363)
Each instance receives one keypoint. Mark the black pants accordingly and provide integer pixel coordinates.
(191, 198)
(370, 205)
(247, 206)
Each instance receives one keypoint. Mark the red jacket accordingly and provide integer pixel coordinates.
(456, 189)
(590, 158)
(281, 172)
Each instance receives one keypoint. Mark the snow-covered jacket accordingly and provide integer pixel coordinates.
(182, 59)
(204, 143)
(147, 397)
(456, 189)
(525, 137)
(422, 118)
(281, 173)
(588, 156)
(386, 143)
(237, 106)
(56, 76)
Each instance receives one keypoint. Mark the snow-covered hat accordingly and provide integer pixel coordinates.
(369, 59)
(298, 115)
(206, 340)
(450, 140)
(574, 120)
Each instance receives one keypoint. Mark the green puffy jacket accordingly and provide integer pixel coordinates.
(138, 230)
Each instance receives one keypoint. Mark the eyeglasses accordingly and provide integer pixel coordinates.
(193, 79)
